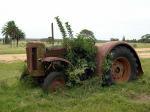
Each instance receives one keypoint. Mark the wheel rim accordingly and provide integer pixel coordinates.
(57, 84)
(120, 70)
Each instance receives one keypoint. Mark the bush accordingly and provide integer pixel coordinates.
(106, 77)
(81, 53)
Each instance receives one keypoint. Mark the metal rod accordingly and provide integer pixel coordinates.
(52, 28)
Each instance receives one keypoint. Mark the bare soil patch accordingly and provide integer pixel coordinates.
(142, 98)
(144, 55)
(142, 49)
(12, 57)
(143, 52)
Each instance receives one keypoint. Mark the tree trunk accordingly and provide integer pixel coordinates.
(11, 43)
(6, 40)
(3, 40)
(17, 41)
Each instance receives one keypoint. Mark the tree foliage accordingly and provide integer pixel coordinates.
(145, 38)
(11, 32)
(87, 34)
(19, 35)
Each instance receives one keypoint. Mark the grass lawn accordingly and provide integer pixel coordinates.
(90, 97)
(8, 49)
(21, 49)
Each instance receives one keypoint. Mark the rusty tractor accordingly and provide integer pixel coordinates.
(47, 64)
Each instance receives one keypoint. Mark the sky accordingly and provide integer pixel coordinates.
(106, 18)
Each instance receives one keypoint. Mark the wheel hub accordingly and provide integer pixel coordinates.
(57, 84)
(120, 69)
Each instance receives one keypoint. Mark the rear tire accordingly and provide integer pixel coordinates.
(124, 65)
(53, 82)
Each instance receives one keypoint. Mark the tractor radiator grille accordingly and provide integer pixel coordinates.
(34, 58)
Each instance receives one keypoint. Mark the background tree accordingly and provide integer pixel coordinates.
(145, 38)
(88, 34)
(114, 39)
(11, 32)
(19, 35)
(6, 40)
(8, 31)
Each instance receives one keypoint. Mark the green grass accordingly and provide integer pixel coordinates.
(21, 49)
(89, 97)
(12, 49)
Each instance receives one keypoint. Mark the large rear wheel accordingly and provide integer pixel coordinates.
(124, 65)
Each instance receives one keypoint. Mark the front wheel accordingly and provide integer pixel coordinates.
(53, 82)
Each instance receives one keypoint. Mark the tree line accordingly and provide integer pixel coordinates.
(144, 39)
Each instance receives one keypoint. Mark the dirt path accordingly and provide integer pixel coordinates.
(12, 57)
(144, 55)
(142, 49)
(142, 52)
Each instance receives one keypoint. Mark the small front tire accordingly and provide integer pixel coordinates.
(53, 82)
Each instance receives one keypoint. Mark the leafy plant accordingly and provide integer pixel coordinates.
(63, 31)
(81, 51)
(70, 32)
(61, 27)
(106, 77)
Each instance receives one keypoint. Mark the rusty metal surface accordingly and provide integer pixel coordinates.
(106, 48)
(57, 84)
(37, 51)
(55, 52)
(120, 70)
(40, 54)
(49, 59)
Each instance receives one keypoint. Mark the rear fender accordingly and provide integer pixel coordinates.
(105, 49)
